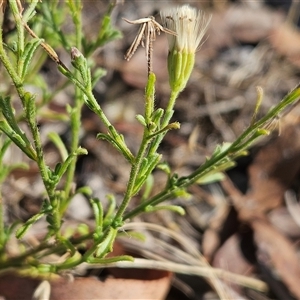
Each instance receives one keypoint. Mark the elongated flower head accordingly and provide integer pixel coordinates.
(190, 25)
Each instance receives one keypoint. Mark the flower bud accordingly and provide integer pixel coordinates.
(190, 26)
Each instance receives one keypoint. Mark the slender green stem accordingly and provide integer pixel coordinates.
(30, 109)
(40, 154)
(162, 196)
(248, 134)
(132, 179)
(149, 97)
(91, 101)
(20, 29)
(9, 68)
(42, 250)
(149, 107)
(169, 111)
(22, 94)
(98, 109)
(182, 183)
(76, 112)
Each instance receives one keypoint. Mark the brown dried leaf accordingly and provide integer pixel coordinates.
(271, 173)
(229, 257)
(280, 251)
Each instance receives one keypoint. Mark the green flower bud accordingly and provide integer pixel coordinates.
(190, 26)
(77, 59)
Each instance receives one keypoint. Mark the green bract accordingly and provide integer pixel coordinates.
(190, 25)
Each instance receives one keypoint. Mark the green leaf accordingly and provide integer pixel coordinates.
(141, 120)
(221, 148)
(83, 229)
(157, 115)
(97, 75)
(109, 260)
(149, 183)
(182, 193)
(64, 166)
(107, 33)
(110, 210)
(57, 141)
(8, 112)
(81, 151)
(147, 166)
(98, 213)
(210, 178)
(85, 190)
(23, 229)
(30, 109)
(174, 208)
(106, 244)
(164, 167)
(70, 262)
(25, 146)
(3, 147)
(46, 268)
(57, 168)
(27, 55)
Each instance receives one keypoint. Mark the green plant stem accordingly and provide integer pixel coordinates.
(44, 249)
(182, 183)
(149, 107)
(149, 97)
(92, 103)
(169, 111)
(9, 68)
(29, 107)
(20, 29)
(76, 111)
(235, 147)
(132, 179)
(22, 94)
(40, 154)
(19, 260)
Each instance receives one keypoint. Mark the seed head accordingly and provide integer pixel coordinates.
(190, 25)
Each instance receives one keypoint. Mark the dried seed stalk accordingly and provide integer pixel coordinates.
(145, 37)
